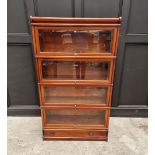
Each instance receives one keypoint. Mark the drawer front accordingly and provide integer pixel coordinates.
(76, 40)
(75, 94)
(75, 117)
(76, 69)
(75, 134)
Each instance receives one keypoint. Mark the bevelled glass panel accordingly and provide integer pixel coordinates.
(75, 94)
(75, 70)
(75, 117)
(75, 41)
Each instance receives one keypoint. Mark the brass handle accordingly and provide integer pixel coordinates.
(91, 133)
(52, 132)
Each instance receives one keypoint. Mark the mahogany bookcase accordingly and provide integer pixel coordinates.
(75, 64)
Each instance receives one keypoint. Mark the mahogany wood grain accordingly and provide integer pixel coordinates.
(75, 20)
(75, 105)
(75, 134)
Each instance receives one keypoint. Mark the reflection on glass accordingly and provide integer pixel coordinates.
(75, 117)
(75, 95)
(89, 41)
(68, 70)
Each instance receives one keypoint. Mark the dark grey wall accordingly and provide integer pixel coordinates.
(130, 84)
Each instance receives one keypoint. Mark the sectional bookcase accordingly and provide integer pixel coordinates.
(75, 64)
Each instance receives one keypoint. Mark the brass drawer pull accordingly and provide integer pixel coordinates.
(91, 133)
(51, 132)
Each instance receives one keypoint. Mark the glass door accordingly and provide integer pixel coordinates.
(76, 40)
(75, 94)
(75, 117)
(75, 70)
